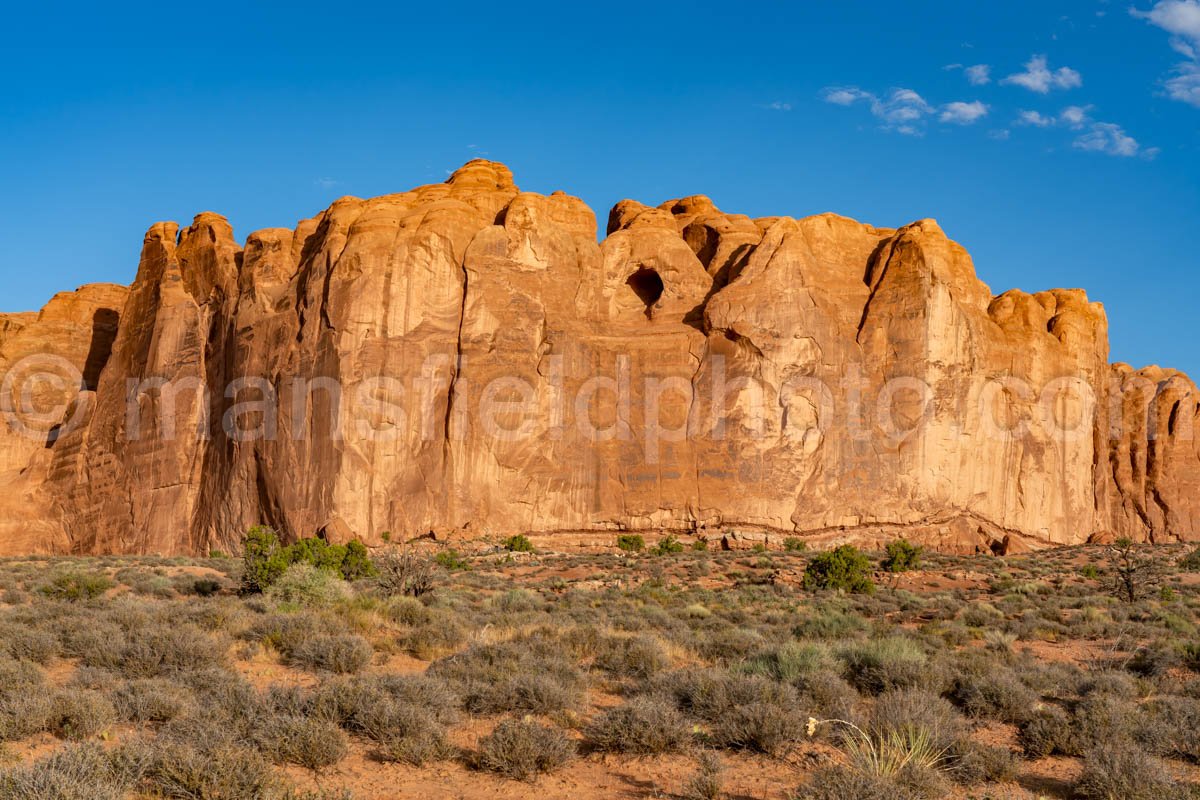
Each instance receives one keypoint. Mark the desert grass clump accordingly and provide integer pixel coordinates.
(643, 726)
(792, 662)
(877, 665)
(344, 654)
(522, 749)
(76, 586)
(80, 714)
(304, 585)
(151, 700)
(743, 712)
(1122, 771)
(312, 743)
(76, 772)
(632, 656)
(707, 782)
(532, 676)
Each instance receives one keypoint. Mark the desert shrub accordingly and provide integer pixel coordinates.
(357, 564)
(518, 544)
(522, 749)
(76, 586)
(405, 573)
(1191, 562)
(286, 632)
(830, 624)
(745, 712)
(1045, 732)
(23, 715)
(452, 561)
(843, 569)
(706, 782)
(212, 768)
(971, 763)
(1136, 572)
(984, 687)
(791, 662)
(632, 657)
(794, 545)
(343, 654)
(532, 676)
(631, 543)
(80, 714)
(666, 546)
(206, 587)
(312, 743)
(263, 559)
(643, 726)
(876, 665)
(76, 772)
(1172, 728)
(151, 700)
(302, 584)
(700, 546)
(1121, 771)
(436, 638)
(26, 643)
(902, 556)
(159, 651)
(406, 716)
(917, 709)
(827, 694)
(1154, 660)
(843, 783)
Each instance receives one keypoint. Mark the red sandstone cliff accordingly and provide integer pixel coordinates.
(467, 356)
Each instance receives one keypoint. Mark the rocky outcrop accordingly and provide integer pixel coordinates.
(466, 358)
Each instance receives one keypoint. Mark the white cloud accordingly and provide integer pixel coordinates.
(326, 183)
(778, 105)
(901, 111)
(1107, 138)
(1035, 119)
(979, 75)
(1185, 86)
(1178, 17)
(845, 96)
(1074, 117)
(1039, 78)
(1000, 134)
(1181, 19)
(960, 113)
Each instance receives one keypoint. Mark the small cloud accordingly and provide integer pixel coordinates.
(1108, 138)
(1035, 119)
(845, 96)
(1038, 77)
(1074, 117)
(901, 111)
(326, 183)
(952, 67)
(979, 75)
(778, 106)
(1185, 86)
(1000, 134)
(960, 113)
(1181, 19)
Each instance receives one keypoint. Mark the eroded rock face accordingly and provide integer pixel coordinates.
(468, 359)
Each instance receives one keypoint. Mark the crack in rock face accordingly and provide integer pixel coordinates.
(469, 359)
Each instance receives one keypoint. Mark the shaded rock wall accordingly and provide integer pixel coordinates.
(468, 357)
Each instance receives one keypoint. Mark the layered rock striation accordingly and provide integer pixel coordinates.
(467, 357)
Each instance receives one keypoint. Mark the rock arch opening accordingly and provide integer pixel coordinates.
(648, 286)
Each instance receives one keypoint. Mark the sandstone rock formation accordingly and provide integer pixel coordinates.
(467, 357)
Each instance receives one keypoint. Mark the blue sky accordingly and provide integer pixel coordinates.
(1059, 142)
